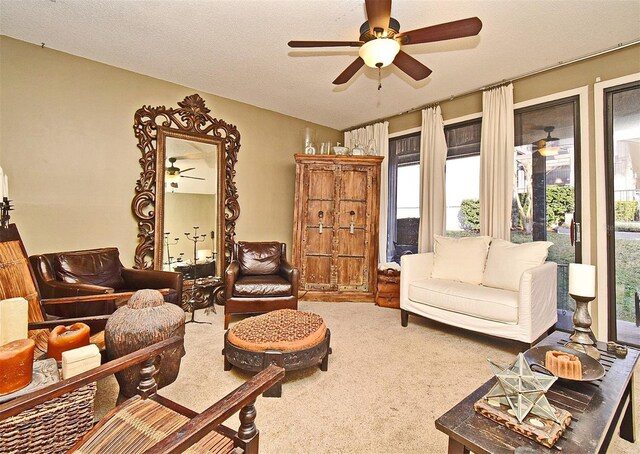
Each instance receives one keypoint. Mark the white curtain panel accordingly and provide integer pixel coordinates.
(379, 133)
(433, 158)
(496, 162)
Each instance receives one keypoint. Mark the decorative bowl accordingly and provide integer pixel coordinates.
(340, 150)
(591, 368)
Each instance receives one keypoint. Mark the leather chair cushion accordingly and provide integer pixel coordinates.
(257, 286)
(96, 267)
(259, 258)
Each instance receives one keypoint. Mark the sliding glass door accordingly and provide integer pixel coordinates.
(622, 129)
(546, 199)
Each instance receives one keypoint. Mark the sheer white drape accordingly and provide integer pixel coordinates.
(433, 158)
(378, 132)
(496, 162)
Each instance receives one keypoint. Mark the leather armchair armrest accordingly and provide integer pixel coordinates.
(59, 289)
(288, 272)
(141, 279)
(230, 278)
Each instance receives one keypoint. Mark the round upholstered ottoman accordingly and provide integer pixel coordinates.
(289, 338)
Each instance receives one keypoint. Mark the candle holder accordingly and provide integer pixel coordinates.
(582, 338)
(5, 207)
(167, 243)
(195, 238)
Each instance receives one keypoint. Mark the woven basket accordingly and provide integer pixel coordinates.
(51, 427)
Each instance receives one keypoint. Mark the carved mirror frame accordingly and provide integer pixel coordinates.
(191, 121)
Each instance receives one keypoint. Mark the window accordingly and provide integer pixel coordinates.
(404, 196)
(462, 192)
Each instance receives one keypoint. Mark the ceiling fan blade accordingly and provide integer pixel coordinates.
(378, 14)
(186, 170)
(325, 43)
(411, 66)
(192, 178)
(349, 72)
(441, 32)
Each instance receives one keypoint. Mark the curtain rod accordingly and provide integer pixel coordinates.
(503, 82)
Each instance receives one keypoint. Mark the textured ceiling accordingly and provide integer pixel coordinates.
(238, 49)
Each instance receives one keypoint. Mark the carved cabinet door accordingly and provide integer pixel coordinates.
(335, 240)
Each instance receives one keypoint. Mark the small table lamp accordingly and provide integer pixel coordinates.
(582, 288)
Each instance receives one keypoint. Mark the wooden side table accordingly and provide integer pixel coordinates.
(388, 291)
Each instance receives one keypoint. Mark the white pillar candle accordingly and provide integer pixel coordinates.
(582, 280)
(14, 318)
(6, 186)
(204, 253)
(2, 195)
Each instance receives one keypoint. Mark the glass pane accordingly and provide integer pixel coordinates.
(544, 189)
(463, 196)
(408, 209)
(625, 109)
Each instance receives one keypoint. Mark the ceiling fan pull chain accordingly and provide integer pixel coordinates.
(379, 79)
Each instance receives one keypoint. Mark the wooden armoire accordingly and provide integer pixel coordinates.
(335, 226)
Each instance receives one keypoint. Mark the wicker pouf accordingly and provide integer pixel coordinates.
(289, 338)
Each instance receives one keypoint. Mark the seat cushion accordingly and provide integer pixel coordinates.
(460, 259)
(258, 286)
(474, 300)
(282, 330)
(259, 258)
(96, 267)
(507, 262)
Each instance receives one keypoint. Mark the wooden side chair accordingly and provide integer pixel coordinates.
(18, 280)
(151, 423)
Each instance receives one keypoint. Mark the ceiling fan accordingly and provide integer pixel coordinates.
(548, 145)
(381, 39)
(173, 173)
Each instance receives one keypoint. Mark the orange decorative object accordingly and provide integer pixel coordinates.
(16, 365)
(63, 338)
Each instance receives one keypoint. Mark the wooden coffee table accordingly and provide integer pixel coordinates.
(596, 408)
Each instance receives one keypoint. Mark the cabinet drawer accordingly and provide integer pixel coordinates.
(388, 287)
(388, 301)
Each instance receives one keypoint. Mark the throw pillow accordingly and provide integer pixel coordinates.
(507, 261)
(460, 259)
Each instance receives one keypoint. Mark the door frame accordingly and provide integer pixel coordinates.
(604, 292)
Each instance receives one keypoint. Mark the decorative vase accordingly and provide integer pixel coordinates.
(144, 321)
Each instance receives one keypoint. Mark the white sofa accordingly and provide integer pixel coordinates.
(524, 313)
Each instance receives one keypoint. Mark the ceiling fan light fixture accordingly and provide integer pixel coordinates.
(549, 151)
(172, 177)
(379, 52)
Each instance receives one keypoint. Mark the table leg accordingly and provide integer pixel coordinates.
(273, 357)
(628, 424)
(455, 447)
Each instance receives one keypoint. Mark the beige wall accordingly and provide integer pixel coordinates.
(67, 144)
(585, 73)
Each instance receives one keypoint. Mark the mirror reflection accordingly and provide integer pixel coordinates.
(191, 207)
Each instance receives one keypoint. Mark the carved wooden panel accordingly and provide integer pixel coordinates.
(341, 193)
(191, 117)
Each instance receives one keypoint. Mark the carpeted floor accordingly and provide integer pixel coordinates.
(385, 387)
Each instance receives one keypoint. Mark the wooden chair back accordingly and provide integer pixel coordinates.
(17, 280)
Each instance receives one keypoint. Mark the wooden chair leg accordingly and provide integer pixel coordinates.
(227, 319)
(248, 435)
(324, 365)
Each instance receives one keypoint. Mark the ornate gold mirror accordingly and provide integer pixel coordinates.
(188, 164)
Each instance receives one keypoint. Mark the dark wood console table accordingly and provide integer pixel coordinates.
(596, 407)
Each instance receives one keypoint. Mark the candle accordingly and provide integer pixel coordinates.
(2, 195)
(204, 253)
(582, 280)
(14, 318)
(63, 338)
(6, 186)
(16, 365)
(80, 360)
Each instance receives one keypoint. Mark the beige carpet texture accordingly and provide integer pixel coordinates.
(385, 387)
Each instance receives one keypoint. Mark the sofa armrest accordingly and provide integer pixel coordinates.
(291, 274)
(230, 278)
(60, 289)
(413, 267)
(538, 299)
(153, 279)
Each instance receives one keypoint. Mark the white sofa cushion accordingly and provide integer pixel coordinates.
(507, 261)
(474, 300)
(460, 259)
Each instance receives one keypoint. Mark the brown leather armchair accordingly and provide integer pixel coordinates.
(92, 272)
(259, 279)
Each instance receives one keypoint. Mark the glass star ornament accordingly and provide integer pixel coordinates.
(522, 389)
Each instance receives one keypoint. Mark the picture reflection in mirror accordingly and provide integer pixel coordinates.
(190, 200)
